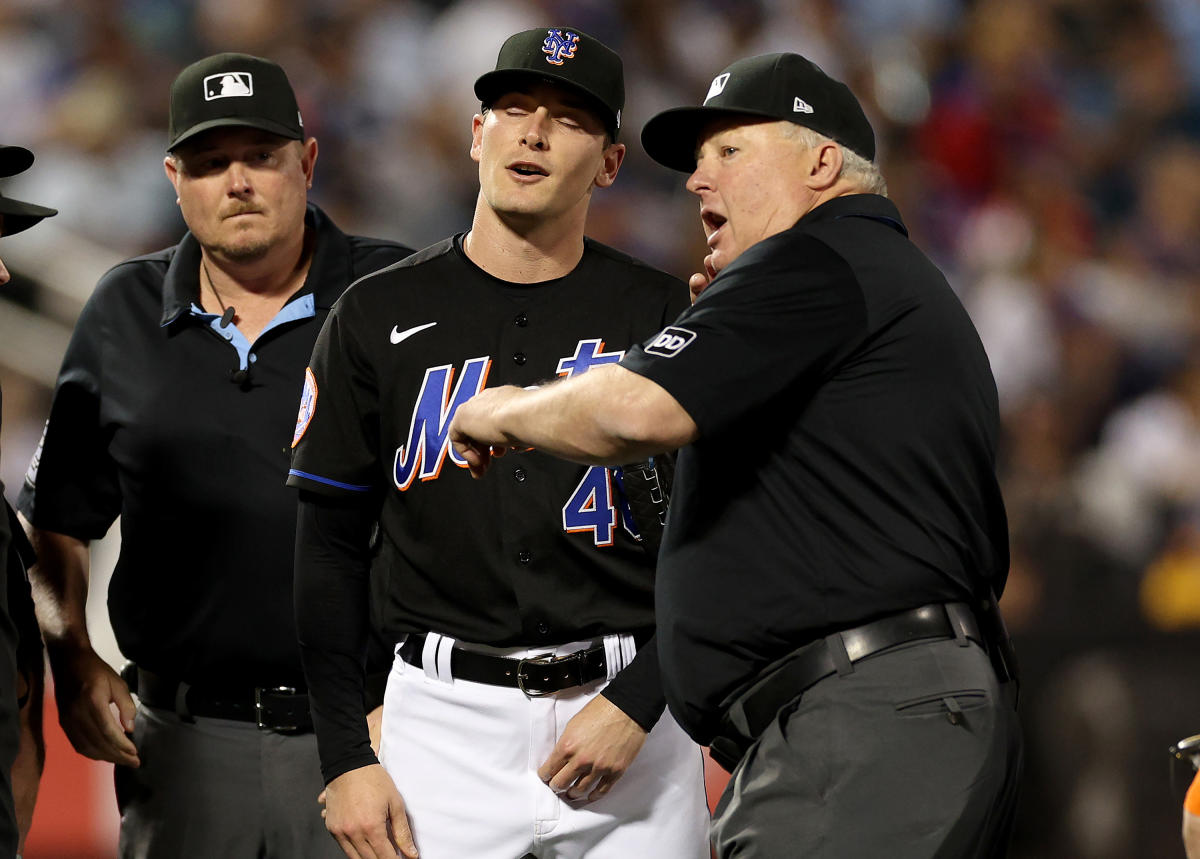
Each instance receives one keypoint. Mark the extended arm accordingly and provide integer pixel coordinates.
(606, 416)
(85, 686)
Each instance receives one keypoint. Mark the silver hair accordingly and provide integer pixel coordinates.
(862, 173)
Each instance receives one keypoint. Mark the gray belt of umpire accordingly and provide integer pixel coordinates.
(750, 711)
(283, 709)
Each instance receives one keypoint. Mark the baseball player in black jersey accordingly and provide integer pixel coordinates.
(525, 684)
(173, 410)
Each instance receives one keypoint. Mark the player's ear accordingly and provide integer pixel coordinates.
(476, 136)
(614, 154)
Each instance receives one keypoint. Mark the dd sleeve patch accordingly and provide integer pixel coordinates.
(308, 405)
(670, 341)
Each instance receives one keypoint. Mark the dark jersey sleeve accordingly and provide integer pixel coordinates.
(72, 486)
(334, 450)
(761, 328)
(332, 623)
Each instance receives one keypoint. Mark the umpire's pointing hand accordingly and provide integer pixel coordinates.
(475, 430)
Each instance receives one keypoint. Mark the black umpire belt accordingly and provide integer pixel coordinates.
(272, 708)
(536, 676)
(783, 681)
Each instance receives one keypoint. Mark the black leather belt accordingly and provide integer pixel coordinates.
(536, 676)
(781, 682)
(271, 708)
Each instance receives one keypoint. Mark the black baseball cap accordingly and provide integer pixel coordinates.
(18, 215)
(559, 55)
(770, 86)
(232, 89)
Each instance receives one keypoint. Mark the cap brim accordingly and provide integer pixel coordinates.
(14, 160)
(492, 85)
(671, 137)
(234, 121)
(19, 215)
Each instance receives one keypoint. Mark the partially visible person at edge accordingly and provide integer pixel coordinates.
(1191, 819)
(524, 713)
(22, 677)
(173, 410)
(836, 538)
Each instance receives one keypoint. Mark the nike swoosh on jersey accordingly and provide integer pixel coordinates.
(397, 336)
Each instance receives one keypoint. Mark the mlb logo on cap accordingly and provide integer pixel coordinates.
(228, 84)
(230, 90)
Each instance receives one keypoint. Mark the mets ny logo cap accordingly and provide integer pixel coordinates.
(231, 90)
(564, 56)
(771, 86)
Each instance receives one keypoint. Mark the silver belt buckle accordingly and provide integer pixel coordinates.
(260, 709)
(522, 674)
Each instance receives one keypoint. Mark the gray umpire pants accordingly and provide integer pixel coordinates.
(915, 753)
(220, 788)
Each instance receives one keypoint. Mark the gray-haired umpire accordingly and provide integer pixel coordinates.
(174, 410)
(22, 750)
(825, 598)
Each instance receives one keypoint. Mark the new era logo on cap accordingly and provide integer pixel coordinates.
(717, 86)
(801, 106)
(228, 84)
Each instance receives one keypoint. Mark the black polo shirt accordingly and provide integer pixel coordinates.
(845, 467)
(150, 422)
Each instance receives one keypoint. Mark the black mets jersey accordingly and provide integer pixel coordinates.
(541, 551)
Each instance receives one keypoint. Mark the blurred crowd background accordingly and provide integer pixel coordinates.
(1045, 153)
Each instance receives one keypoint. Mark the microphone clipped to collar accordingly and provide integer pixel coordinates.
(241, 378)
(228, 312)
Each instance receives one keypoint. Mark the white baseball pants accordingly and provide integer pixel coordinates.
(465, 758)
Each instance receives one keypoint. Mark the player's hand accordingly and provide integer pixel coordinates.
(475, 430)
(365, 814)
(595, 749)
(95, 708)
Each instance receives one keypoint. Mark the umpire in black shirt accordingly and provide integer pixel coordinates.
(836, 538)
(174, 410)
